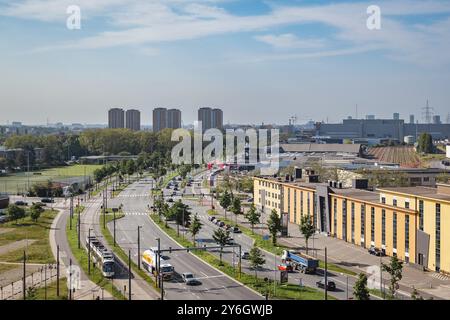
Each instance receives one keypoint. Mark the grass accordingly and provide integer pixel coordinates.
(37, 252)
(281, 291)
(118, 251)
(82, 259)
(212, 212)
(7, 267)
(336, 268)
(39, 293)
(18, 182)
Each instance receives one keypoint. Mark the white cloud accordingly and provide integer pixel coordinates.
(289, 41)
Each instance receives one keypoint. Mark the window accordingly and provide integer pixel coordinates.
(344, 219)
(407, 234)
(394, 202)
(363, 223)
(295, 206)
(438, 237)
(335, 216)
(383, 227)
(394, 227)
(301, 203)
(407, 204)
(353, 222)
(421, 214)
(372, 224)
(383, 200)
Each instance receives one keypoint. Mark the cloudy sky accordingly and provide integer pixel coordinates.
(261, 61)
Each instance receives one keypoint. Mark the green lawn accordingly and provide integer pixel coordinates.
(39, 293)
(18, 182)
(37, 252)
(82, 259)
(336, 268)
(285, 291)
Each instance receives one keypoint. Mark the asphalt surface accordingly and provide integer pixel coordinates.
(214, 284)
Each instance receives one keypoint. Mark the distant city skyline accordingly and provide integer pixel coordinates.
(260, 61)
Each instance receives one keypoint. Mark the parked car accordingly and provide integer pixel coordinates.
(331, 286)
(376, 252)
(236, 230)
(47, 200)
(245, 255)
(170, 200)
(230, 241)
(189, 279)
(217, 221)
(221, 224)
(21, 203)
(3, 219)
(211, 218)
(227, 227)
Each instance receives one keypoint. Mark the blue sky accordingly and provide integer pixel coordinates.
(261, 61)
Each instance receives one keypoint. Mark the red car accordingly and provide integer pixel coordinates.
(285, 267)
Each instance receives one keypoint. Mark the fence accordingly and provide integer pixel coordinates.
(45, 275)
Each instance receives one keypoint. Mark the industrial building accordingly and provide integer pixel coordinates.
(371, 128)
(410, 223)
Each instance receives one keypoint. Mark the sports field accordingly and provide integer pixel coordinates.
(18, 182)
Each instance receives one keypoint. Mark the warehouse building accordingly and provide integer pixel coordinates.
(411, 223)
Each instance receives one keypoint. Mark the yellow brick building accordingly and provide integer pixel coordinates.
(410, 223)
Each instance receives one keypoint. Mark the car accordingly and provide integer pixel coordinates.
(189, 184)
(230, 241)
(174, 194)
(236, 230)
(227, 227)
(3, 219)
(176, 189)
(331, 286)
(217, 221)
(170, 200)
(47, 200)
(189, 279)
(211, 218)
(20, 203)
(221, 224)
(245, 255)
(376, 252)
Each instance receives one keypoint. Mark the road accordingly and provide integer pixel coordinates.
(214, 284)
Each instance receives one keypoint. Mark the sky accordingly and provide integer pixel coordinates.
(260, 61)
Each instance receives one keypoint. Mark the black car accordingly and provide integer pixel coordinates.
(331, 286)
(236, 230)
(211, 218)
(170, 200)
(47, 200)
(21, 203)
(376, 252)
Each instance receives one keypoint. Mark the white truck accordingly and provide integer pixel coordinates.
(149, 264)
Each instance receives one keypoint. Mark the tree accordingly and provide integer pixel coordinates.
(181, 213)
(307, 229)
(253, 216)
(15, 212)
(195, 227)
(225, 201)
(425, 143)
(360, 290)
(415, 295)
(236, 207)
(222, 237)
(274, 225)
(394, 268)
(256, 259)
(35, 212)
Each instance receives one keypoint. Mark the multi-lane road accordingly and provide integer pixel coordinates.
(214, 284)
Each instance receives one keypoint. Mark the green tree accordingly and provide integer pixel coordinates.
(181, 213)
(360, 290)
(195, 227)
(425, 143)
(394, 268)
(225, 201)
(222, 237)
(256, 259)
(236, 208)
(253, 216)
(35, 212)
(306, 228)
(15, 212)
(274, 225)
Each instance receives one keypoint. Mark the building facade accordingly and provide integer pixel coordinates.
(133, 120)
(173, 118)
(210, 118)
(116, 118)
(411, 223)
(159, 119)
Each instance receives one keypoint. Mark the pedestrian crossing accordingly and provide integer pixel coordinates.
(133, 195)
(136, 213)
(440, 276)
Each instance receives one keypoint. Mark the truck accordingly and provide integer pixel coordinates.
(149, 264)
(299, 261)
